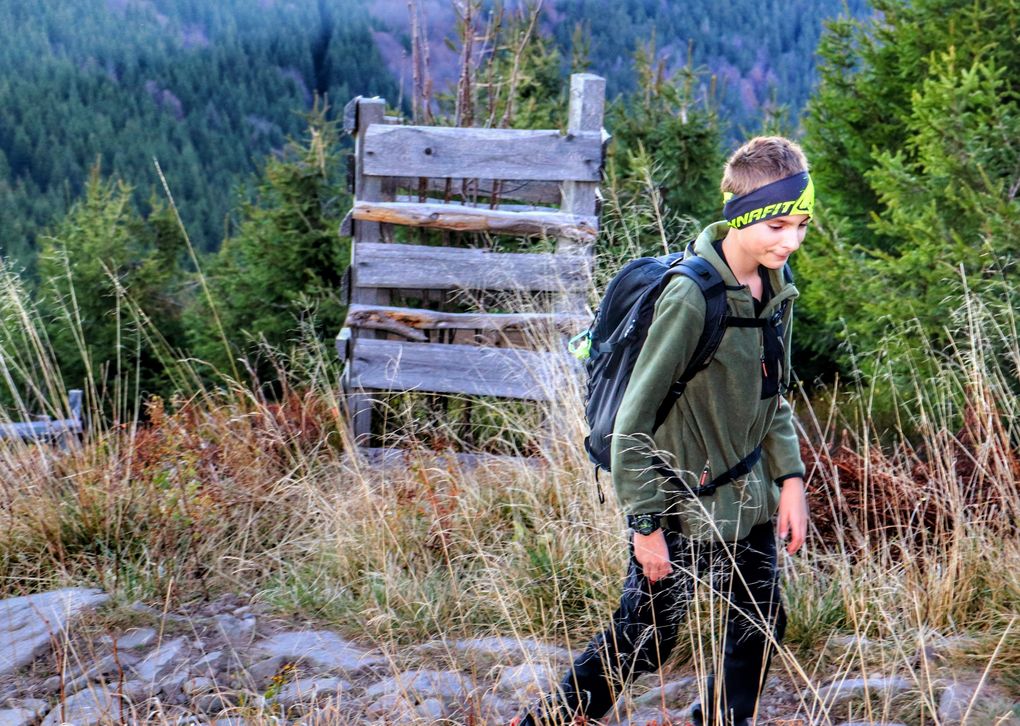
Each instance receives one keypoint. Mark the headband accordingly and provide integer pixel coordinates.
(793, 195)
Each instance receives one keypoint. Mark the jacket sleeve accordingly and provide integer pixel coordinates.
(781, 449)
(672, 336)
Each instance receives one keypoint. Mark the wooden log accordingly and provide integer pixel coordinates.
(503, 207)
(461, 218)
(409, 322)
(437, 151)
(539, 192)
(386, 365)
(449, 268)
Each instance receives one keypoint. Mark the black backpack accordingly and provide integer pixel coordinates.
(611, 345)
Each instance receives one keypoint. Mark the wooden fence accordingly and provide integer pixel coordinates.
(522, 183)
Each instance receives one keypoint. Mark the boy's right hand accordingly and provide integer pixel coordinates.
(652, 554)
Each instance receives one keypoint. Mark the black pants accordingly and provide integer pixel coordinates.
(644, 628)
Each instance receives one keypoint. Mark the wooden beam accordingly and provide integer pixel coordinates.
(439, 151)
(379, 265)
(409, 322)
(482, 204)
(461, 218)
(541, 192)
(386, 365)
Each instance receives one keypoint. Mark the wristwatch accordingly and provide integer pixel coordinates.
(644, 524)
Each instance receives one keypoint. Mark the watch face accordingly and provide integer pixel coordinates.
(645, 525)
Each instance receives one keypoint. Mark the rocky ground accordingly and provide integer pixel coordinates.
(65, 658)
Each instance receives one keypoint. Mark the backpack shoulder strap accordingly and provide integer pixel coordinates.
(713, 288)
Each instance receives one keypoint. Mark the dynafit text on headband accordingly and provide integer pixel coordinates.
(794, 194)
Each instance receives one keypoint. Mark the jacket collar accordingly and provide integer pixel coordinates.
(703, 248)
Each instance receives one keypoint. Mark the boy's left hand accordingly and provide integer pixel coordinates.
(793, 514)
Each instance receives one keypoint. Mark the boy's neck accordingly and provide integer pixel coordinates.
(743, 266)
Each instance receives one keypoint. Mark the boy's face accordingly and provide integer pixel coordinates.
(770, 243)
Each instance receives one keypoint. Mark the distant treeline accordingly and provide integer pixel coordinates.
(208, 89)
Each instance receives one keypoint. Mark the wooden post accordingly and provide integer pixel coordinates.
(367, 111)
(587, 106)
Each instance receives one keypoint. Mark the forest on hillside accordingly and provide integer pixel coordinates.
(210, 89)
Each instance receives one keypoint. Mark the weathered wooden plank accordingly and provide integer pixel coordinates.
(409, 322)
(444, 368)
(461, 218)
(438, 151)
(511, 207)
(541, 192)
(448, 268)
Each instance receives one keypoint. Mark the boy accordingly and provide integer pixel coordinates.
(731, 428)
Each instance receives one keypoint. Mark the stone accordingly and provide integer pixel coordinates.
(955, 699)
(500, 649)
(432, 709)
(132, 638)
(209, 664)
(645, 716)
(236, 631)
(527, 676)
(160, 661)
(674, 694)
(197, 685)
(857, 687)
(16, 717)
(310, 689)
(31, 623)
(393, 707)
(97, 704)
(37, 706)
(232, 721)
(322, 649)
(493, 709)
(210, 702)
(107, 665)
(422, 685)
(870, 723)
(262, 672)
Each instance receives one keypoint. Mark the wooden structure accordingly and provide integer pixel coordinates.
(46, 428)
(522, 183)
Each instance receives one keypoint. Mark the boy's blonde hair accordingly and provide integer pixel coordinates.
(761, 161)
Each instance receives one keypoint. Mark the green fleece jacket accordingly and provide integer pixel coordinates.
(720, 418)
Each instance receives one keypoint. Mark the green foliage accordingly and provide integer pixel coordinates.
(208, 89)
(667, 125)
(281, 273)
(111, 290)
(913, 138)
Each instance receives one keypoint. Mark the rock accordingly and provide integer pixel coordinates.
(37, 706)
(394, 707)
(210, 702)
(16, 717)
(160, 661)
(133, 638)
(171, 686)
(870, 723)
(208, 664)
(955, 699)
(322, 649)
(105, 666)
(500, 649)
(674, 694)
(231, 721)
(857, 687)
(31, 623)
(527, 676)
(236, 631)
(310, 689)
(262, 673)
(422, 685)
(194, 686)
(493, 709)
(97, 704)
(432, 709)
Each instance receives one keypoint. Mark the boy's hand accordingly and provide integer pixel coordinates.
(652, 554)
(793, 514)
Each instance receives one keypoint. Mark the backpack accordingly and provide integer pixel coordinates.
(610, 346)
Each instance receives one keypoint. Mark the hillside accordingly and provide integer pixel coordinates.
(209, 89)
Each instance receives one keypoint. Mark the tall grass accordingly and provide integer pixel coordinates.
(912, 569)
